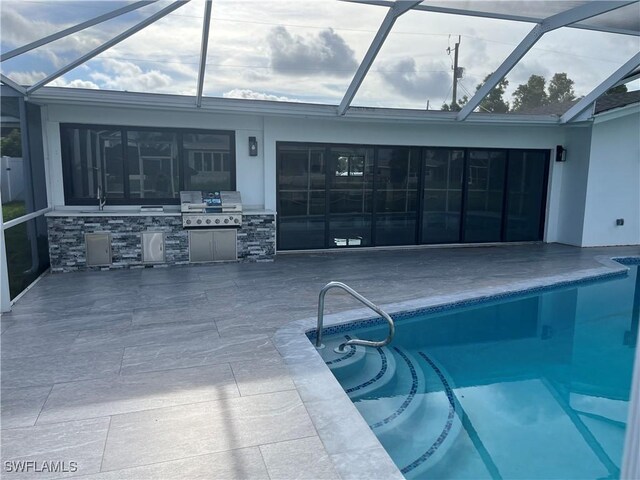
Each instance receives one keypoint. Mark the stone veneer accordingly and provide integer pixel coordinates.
(256, 240)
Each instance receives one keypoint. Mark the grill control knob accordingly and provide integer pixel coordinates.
(208, 220)
(226, 220)
(198, 221)
(188, 222)
(237, 221)
(217, 220)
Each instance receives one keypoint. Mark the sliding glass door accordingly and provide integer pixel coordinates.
(301, 197)
(484, 195)
(396, 199)
(442, 195)
(351, 197)
(527, 189)
(333, 196)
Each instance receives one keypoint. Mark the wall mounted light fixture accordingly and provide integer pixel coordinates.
(253, 147)
(561, 154)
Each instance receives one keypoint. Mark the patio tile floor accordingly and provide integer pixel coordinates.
(172, 372)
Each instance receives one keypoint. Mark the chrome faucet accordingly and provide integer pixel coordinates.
(101, 200)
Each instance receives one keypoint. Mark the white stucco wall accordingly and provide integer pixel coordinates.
(613, 186)
(570, 177)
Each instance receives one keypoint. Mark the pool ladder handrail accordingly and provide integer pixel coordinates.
(363, 300)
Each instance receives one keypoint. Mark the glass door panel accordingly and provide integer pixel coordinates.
(526, 186)
(351, 198)
(301, 197)
(396, 195)
(485, 195)
(442, 195)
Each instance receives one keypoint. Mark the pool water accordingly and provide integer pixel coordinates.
(530, 387)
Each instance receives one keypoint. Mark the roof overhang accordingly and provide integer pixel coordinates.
(155, 101)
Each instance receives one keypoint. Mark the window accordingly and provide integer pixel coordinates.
(209, 165)
(153, 168)
(152, 164)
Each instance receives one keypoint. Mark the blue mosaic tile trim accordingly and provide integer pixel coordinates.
(375, 321)
(410, 397)
(627, 260)
(447, 427)
(352, 352)
(383, 370)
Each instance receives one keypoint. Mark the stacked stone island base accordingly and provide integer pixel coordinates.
(256, 239)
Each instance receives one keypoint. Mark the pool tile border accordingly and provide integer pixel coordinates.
(325, 399)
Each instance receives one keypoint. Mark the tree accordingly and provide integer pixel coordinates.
(618, 89)
(11, 145)
(531, 94)
(561, 89)
(451, 107)
(494, 102)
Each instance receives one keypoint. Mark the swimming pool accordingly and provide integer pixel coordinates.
(533, 386)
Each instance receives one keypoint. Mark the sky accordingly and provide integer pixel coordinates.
(303, 51)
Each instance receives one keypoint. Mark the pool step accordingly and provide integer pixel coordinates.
(346, 364)
(387, 407)
(365, 370)
(437, 423)
(415, 415)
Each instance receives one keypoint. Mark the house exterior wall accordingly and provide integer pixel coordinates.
(613, 186)
(571, 178)
(256, 176)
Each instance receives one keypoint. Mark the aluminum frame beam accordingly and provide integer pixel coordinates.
(76, 28)
(396, 9)
(576, 14)
(10, 83)
(495, 15)
(610, 82)
(203, 51)
(105, 46)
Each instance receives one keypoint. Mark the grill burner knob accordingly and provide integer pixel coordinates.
(217, 220)
(226, 220)
(199, 221)
(237, 221)
(208, 220)
(188, 222)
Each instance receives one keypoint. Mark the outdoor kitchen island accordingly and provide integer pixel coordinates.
(130, 237)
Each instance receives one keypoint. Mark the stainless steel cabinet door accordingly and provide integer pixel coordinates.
(212, 245)
(224, 245)
(98, 249)
(153, 247)
(200, 246)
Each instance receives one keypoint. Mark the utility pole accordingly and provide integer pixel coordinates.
(454, 101)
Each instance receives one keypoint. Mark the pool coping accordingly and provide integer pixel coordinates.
(352, 446)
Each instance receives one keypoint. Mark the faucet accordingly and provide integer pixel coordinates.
(101, 200)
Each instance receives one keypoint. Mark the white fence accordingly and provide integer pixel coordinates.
(12, 179)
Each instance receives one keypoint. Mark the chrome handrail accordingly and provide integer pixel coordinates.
(357, 296)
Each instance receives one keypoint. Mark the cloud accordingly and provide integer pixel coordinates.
(250, 94)
(327, 52)
(26, 78)
(77, 83)
(121, 75)
(404, 77)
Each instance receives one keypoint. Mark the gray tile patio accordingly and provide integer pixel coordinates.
(174, 372)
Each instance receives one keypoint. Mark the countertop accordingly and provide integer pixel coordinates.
(132, 211)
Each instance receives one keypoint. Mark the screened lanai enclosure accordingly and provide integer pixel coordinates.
(343, 125)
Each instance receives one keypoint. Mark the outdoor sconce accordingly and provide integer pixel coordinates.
(253, 147)
(561, 154)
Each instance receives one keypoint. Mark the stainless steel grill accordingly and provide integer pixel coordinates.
(210, 209)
